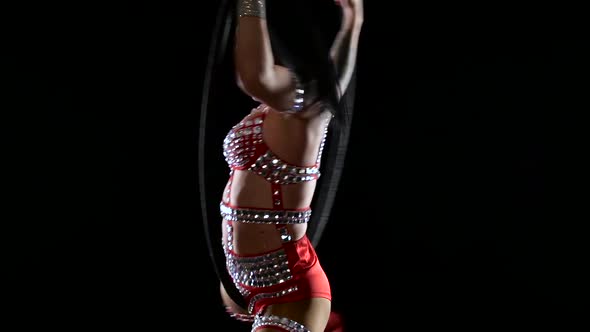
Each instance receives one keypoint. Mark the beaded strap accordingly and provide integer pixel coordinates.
(282, 323)
(254, 216)
(241, 317)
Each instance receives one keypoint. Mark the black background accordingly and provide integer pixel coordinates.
(457, 207)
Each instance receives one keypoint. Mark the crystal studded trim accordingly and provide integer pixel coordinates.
(259, 271)
(280, 322)
(239, 145)
(254, 8)
(244, 148)
(246, 215)
(241, 317)
(299, 98)
(273, 169)
(232, 270)
(261, 296)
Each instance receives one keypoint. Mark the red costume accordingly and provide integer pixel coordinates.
(292, 272)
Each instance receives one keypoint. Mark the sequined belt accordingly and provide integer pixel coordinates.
(260, 271)
(258, 216)
(285, 324)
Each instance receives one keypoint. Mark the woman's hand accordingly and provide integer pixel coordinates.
(355, 5)
(352, 9)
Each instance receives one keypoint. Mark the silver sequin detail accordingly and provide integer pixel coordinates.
(251, 216)
(230, 237)
(242, 317)
(285, 236)
(261, 296)
(259, 271)
(322, 144)
(299, 97)
(273, 169)
(228, 246)
(254, 8)
(240, 143)
(276, 321)
(230, 266)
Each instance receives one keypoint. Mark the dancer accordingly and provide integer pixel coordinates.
(279, 172)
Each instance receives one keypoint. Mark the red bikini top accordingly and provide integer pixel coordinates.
(245, 149)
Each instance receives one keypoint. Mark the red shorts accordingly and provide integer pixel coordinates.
(305, 277)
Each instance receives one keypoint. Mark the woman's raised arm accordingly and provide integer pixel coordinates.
(345, 45)
(256, 71)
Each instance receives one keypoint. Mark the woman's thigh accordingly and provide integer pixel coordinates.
(229, 304)
(312, 313)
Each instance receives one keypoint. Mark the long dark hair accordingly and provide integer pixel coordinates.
(301, 40)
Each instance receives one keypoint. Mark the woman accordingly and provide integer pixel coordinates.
(270, 274)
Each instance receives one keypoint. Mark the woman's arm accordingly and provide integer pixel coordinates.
(345, 45)
(256, 71)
